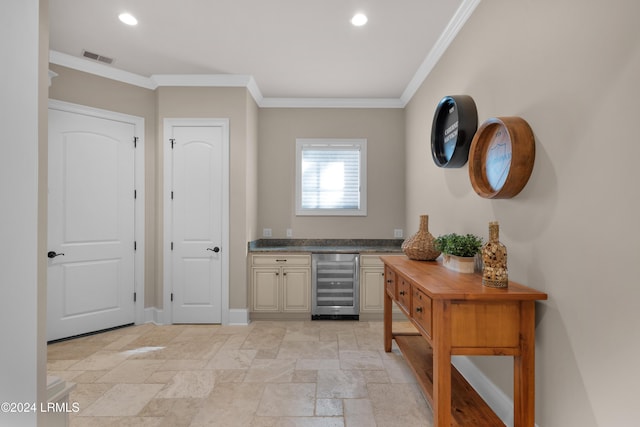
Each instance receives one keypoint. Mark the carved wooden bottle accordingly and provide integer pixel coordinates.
(494, 257)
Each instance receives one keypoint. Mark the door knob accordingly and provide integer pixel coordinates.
(52, 254)
(216, 249)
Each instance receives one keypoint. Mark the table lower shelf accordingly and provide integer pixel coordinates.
(467, 407)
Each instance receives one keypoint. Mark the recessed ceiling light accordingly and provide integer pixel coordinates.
(359, 19)
(128, 19)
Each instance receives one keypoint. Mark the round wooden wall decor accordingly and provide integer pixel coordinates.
(501, 157)
(454, 123)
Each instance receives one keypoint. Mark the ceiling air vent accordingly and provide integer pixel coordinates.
(97, 57)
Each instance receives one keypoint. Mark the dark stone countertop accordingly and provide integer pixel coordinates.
(327, 245)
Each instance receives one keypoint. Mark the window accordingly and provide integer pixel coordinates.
(331, 177)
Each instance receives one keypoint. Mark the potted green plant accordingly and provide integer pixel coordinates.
(459, 251)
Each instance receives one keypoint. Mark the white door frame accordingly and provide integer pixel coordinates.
(168, 218)
(138, 123)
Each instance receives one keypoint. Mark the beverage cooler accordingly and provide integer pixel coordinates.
(335, 286)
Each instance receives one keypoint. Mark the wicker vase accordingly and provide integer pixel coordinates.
(494, 257)
(421, 246)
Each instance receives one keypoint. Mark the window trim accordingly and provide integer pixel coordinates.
(361, 143)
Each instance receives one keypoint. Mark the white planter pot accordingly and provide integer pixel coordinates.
(459, 263)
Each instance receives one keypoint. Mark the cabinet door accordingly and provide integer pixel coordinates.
(296, 289)
(371, 289)
(266, 291)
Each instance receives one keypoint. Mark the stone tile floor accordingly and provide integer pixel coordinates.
(266, 374)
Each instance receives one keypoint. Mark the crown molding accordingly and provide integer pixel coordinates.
(254, 90)
(203, 80)
(210, 80)
(99, 69)
(450, 32)
(331, 103)
(215, 80)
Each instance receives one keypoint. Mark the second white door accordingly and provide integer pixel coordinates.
(197, 213)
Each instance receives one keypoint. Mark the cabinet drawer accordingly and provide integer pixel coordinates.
(390, 282)
(422, 310)
(404, 294)
(281, 260)
(370, 261)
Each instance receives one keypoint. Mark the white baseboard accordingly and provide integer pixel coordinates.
(153, 315)
(501, 404)
(239, 316)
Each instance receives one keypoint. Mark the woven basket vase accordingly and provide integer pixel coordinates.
(421, 245)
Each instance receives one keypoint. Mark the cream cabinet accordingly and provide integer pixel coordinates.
(280, 283)
(372, 284)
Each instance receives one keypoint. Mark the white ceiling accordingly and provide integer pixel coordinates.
(291, 48)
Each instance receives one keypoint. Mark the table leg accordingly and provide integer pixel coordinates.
(388, 330)
(442, 363)
(524, 369)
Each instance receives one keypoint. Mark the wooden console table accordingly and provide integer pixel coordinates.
(456, 315)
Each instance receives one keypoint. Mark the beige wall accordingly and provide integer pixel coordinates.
(262, 149)
(571, 70)
(384, 131)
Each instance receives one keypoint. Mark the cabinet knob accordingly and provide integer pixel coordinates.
(402, 292)
(419, 309)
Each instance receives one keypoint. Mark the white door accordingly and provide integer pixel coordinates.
(90, 224)
(197, 209)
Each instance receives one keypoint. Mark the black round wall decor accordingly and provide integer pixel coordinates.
(454, 124)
